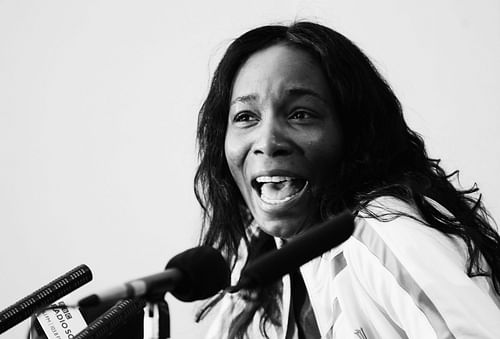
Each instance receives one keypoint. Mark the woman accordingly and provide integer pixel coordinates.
(298, 126)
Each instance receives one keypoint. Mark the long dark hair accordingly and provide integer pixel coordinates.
(382, 157)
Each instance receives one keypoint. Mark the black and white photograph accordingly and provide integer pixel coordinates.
(302, 169)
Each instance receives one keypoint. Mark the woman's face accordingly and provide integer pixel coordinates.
(283, 140)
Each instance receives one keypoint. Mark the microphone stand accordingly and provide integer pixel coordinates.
(156, 317)
(157, 320)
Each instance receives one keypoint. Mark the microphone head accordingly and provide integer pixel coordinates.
(305, 247)
(205, 272)
(44, 296)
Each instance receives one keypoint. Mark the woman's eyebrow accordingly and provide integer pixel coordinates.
(293, 91)
(302, 91)
(244, 99)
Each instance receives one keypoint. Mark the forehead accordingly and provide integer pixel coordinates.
(278, 69)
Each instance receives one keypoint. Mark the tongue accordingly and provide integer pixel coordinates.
(281, 190)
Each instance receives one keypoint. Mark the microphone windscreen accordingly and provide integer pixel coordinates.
(204, 270)
(132, 328)
(44, 296)
(303, 248)
(113, 319)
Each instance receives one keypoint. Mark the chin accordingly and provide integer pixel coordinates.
(281, 229)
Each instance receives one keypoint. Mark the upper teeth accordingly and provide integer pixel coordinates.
(265, 179)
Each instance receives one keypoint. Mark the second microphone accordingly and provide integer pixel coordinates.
(195, 274)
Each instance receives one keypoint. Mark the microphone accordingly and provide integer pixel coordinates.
(197, 273)
(44, 296)
(303, 248)
(113, 319)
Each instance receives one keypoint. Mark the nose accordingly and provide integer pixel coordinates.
(273, 139)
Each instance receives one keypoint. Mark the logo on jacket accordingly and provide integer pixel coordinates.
(360, 333)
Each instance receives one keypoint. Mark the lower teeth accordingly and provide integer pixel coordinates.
(285, 199)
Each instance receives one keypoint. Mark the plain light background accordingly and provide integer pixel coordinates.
(98, 110)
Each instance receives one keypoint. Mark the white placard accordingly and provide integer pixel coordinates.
(61, 323)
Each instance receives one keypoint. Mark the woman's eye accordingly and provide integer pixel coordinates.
(301, 115)
(244, 117)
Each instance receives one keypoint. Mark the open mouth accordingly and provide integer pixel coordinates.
(279, 189)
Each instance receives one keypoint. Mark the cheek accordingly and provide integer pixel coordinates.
(326, 154)
(333, 141)
(234, 153)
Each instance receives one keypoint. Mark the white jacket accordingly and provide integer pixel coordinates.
(391, 279)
